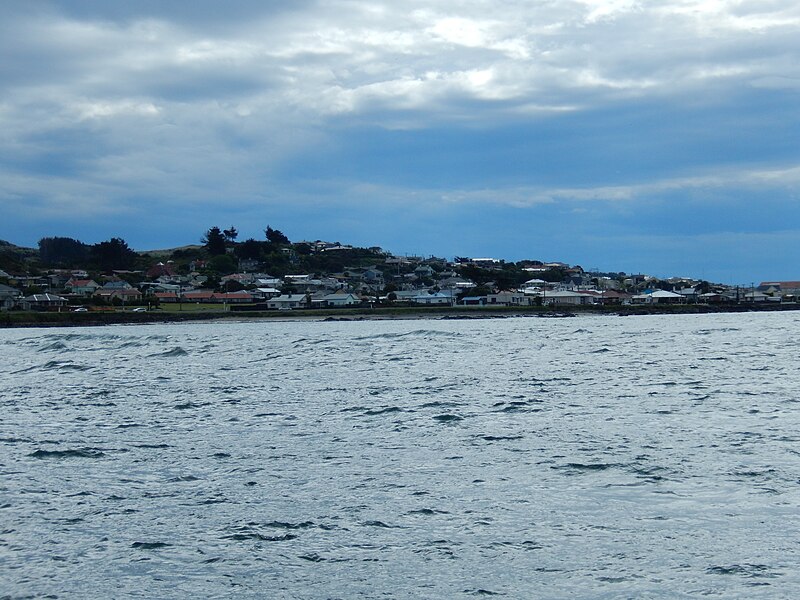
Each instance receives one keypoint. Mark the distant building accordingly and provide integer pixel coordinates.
(9, 297)
(43, 302)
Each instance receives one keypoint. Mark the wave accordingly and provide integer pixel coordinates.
(448, 418)
(383, 411)
(150, 545)
(74, 453)
(58, 345)
(574, 466)
(54, 365)
(415, 333)
(176, 351)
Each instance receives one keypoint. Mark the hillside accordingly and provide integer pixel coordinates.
(17, 258)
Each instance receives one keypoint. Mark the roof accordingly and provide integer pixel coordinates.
(44, 298)
(289, 298)
(614, 294)
(83, 283)
(564, 294)
(665, 294)
(781, 284)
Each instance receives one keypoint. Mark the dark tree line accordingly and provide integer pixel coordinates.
(217, 241)
(68, 252)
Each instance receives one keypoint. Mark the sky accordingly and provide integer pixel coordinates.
(657, 137)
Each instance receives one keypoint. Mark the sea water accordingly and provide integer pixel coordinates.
(588, 457)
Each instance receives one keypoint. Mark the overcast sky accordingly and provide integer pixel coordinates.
(661, 137)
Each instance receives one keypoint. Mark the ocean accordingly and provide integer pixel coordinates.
(588, 457)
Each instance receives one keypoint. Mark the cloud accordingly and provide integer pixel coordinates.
(107, 107)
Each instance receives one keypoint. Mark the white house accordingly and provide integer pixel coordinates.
(438, 298)
(338, 299)
(507, 299)
(287, 301)
(566, 297)
(659, 297)
(265, 293)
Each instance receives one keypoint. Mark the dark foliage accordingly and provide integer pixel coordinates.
(214, 241)
(112, 254)
(338, 260)
(275, 236)
(230, 234)
(62, 252)
(251, 249)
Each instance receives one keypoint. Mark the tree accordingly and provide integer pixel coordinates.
(249, 249)
(231, 285)
(62, 251)
(274, 236)
(214, 241)
(230, 234)
(703, 287)
(223, 264)
(112, 254)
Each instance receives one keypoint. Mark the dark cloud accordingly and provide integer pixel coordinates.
(612, 117)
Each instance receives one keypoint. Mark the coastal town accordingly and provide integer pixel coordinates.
(278, 275)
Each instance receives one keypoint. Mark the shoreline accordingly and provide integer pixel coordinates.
(16, 320)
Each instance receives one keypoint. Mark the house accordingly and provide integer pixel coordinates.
(423, 271)
(339, 299)
(166, 297)
(456, 283)
(240, 297)
(614, 297)
(43, 302)
(161, 270)
(405, 295)
(507, 299)
(473, 301)
(268, 282)
(82, 287)
(265, 293)
(665, 297)
(755, 297)
(198, 296)
(565, 297)
(689, 293)
(117, 284)
(372, 276)
(535, 283)
(792, 287)
(658, 297)
(288, 301)
(438, 299)
(9, 297)
(711, 297)
(128, 294)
